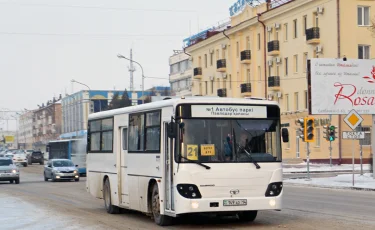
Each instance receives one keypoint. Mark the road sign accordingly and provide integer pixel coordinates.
(353, 119)
(353, 135)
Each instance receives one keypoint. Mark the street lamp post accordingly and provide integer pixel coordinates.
(100, 103)
(143, 76)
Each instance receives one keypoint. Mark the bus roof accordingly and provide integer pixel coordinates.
(174, 102)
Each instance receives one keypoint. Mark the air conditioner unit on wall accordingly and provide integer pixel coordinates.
(269, 28)
(270, 62)
(320, 9)
(277, 26)
(279, 95)
(319, 49)
(278, 60)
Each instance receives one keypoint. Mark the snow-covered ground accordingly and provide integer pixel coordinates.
(366, 181)
(16, 213)
(295, 168)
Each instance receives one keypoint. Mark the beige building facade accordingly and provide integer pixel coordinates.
(264, 54)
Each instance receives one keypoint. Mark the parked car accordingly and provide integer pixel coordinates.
(61, 169)
(9, 171)
(20, 158)
(36, 157)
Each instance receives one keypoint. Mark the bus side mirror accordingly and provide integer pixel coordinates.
(172, 130)
(285, 135)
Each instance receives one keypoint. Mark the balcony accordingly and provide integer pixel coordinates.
(222, 92)
(313, 35)
(198, 72)
(221, 65)
(246, 57)
(245, 89)
(274, 83)
(273, 48)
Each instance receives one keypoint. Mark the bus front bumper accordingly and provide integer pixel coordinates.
(228, 204)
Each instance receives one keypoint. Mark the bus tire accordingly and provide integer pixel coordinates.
(111, 209)
(159, 219)
(247, 216)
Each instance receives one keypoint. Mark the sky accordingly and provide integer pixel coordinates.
(46, 43)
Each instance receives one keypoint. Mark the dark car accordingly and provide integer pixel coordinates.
(36, 157)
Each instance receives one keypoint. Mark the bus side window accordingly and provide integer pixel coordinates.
(125, 139)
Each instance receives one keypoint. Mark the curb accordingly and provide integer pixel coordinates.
(348, 171)
(330, 187)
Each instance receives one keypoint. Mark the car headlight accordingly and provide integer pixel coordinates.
(14, 171)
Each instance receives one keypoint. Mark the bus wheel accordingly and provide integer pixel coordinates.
(111, 209)
(159, 219)
(248, 216)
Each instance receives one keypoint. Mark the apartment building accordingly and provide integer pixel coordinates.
(46, 124)
(264, 51)
(25, 133)
(180, 74)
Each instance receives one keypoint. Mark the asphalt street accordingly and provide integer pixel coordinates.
(303, 208)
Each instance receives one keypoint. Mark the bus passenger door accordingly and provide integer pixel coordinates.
(124, 164)
(168, 171)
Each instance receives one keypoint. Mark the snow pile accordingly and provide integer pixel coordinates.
(366, 181)
(18, 214)
(323, 168)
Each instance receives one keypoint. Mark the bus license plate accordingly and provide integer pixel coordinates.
(235, 202)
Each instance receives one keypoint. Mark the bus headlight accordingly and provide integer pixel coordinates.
(189, 191)
(274, 189)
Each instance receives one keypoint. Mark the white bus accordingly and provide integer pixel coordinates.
(188, 155)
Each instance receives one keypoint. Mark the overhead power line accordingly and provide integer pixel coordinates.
(97, 7)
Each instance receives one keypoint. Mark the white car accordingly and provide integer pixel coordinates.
(8, 171)
(20, 158)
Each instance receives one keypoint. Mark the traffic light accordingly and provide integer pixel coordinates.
(309, 129)
(332, 133)
(326, 132)
(301, 122)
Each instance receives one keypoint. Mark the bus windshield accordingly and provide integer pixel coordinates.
(215, 141)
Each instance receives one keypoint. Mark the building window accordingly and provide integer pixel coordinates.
(144, 132)
(258, 40)
(206, 87)
(296, 63)
(205, 60)
(200, 88)
(230, 81)
(287, 102)
(211, 58)
(286, 31)
(248, 43)
(367, 140)
(212, 86)
(305, 58)
(101, 135)
(306, 100)
(296, 102)
(269, 70)
(237, 49)
(269, 36)
(217, 55)
(277, 70)
(363, 15)
(286, 66)
(224, 84)
(295, 29)
(199, 61)
(363, 52)
(317, 139)
(304, 24)
(259, 74)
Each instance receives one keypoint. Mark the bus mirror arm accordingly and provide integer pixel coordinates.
(172, 129)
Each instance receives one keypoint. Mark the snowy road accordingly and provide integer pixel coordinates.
(35, 204)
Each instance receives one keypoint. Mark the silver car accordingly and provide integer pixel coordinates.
(61, 169)
(9, 171)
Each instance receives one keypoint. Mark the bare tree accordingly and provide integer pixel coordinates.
(372, 28)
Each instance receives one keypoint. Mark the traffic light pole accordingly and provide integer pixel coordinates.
(353, 159)
(330, 154)
(308, 160)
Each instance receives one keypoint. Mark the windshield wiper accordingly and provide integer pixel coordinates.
(203, 165)
(249, 156)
